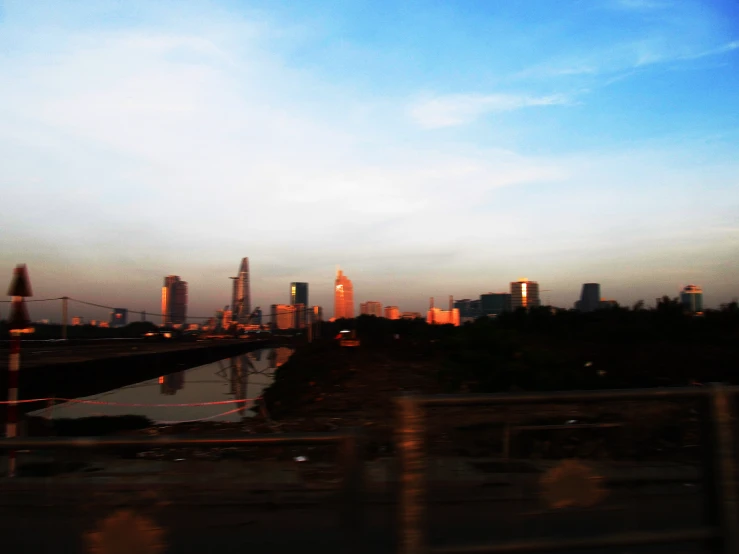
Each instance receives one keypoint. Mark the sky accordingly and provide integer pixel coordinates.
(428, 148)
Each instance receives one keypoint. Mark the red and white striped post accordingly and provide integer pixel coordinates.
(14, 365)
(20, 287)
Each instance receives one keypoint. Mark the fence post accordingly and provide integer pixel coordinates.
(410, 433)
(353, 514)
(725, 492)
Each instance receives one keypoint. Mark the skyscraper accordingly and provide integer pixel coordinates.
(174, 301)
(691, 297)
(343, 296)
(299, 297)
(241, 297)
(589, 298)
(299, 293)
(524, 294)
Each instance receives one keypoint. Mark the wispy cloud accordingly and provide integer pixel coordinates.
(642, 4)
(458, 109)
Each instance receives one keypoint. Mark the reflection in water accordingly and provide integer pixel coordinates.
(171, 383)
(242, 377)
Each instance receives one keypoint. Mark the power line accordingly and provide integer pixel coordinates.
(36, 300)
(306, 310)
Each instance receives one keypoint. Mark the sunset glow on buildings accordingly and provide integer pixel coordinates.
(371, 308)
(343, 296)
(174, 301)
(525, 294)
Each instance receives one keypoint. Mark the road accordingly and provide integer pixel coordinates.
(36, 354)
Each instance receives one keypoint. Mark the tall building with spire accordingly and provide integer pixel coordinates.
(343, 296)
(174, 301)
(241, 297)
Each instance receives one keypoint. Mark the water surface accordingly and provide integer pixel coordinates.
(242, 377)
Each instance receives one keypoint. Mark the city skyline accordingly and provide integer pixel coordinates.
(41, 310)
(431, 144)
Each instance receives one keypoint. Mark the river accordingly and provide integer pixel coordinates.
(202, 393)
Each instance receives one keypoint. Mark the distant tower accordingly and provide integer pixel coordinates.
(174, 301)
(589, 298)
(691, 297)
(343, 296)
(299, 299)
(525, 294)
(241, 297)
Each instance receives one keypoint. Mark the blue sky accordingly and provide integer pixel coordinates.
(429, 148)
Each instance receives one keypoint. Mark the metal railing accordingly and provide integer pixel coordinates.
(720, 485)
(350, 444)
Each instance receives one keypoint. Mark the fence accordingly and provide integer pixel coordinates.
(351, 519)
(719, 466)
(720, 485)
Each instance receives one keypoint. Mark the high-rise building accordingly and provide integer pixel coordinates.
(343, 297)
(392, 312)
(119, 317)
(316, 313)
(495, 303)
(691, 297)
(437, 316)
(241, 297)
(282, 316)
(589, 298)
(524, 294)
(299, 293)
(301, 316)
(299, 296)
(174, 301)
(468, 309)
(227, 319)
(371, 308)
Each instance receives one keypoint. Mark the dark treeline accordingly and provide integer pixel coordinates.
(45, 331)
(551, 349)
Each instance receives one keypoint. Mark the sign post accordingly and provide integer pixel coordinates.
(20, 288)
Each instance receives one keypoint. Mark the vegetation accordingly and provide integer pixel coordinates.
(552, 349)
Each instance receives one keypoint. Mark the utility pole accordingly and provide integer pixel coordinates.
(64, 317)
(19, 323)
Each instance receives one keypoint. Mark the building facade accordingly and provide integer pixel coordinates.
(525, 294)
(299, 297)
(411, 315)
(299, 293)
(174, 301)
(316, 314)
(371, 308)
(589, 298)
(495, 303)
(282, 317)
(437, 316)
(392, 312)
(241, 295)
(691, 297)
(343, 297)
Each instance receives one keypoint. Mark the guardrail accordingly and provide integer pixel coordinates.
(719, 468)
(350, 443)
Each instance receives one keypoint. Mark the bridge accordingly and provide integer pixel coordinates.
(70, 369)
